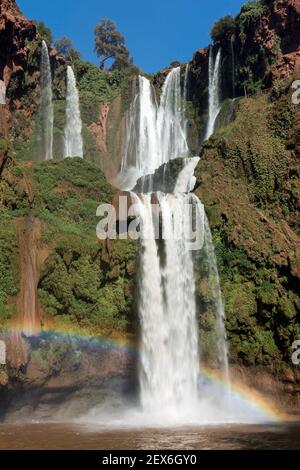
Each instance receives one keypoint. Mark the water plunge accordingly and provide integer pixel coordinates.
(214, 91)
(73, 127)
(169, 364)
(155, 134)
(170, 353)
(232, 42)
(46, 108)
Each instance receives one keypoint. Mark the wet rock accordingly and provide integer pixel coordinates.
(164, 178)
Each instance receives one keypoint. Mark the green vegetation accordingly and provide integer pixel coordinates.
(246, 20)
(110, 44)
(78, 285)
(223, 29)
(74, 289)
(3, 145)
(252, 58)
(249, 15)
(95, 88)
(103, 86)
(252, 201)
(44, 32)
(66, 49)
(8, 265)
(249, 180)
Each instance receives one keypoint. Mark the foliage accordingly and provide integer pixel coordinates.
(66, 49)
(252, 71)
(3, 145)
(110, 44)
(8, 265)
(223, 29)
(99, 84)
(44, 32)
(281, 116)
(250, 14)
(73, 286)
(76, 285)
(248, 180)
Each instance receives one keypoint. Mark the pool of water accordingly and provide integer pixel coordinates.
(52, 436)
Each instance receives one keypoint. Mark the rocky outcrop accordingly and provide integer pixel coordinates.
(20, 52)
(99, 129)
(285, 17)
(164, 178)
(61, 375)
(266, 48)
(248, 180)
(30, 316)
(198, 78)
(15, 33)
(278, 34)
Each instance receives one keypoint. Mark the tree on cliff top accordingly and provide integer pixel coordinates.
(44, 32)
(66, 49)
(110, 44)
(223, 29)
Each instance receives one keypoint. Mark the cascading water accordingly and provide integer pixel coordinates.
(169, 354)
(221, 340)
(214, 91)
(172, 142)
(232, 42)
(46, 109)
(154, 134)
(173, 227)
(185, 99)
(73, 128)
(169, 349)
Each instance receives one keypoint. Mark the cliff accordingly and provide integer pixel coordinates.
(248, 179)
(15, 34)
(259, 46)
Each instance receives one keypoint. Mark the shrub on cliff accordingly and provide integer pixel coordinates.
(223, 29)
(110, 44)
(249, 15)
(248, 179)
(44, 32)
(102, 85)
(8, 265)
(66, 49)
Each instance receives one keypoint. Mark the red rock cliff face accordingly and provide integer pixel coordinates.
(285, 16)
(282, 24)
(15, 32)
(264, 51)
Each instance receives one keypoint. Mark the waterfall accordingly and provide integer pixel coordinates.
(169, 348)
(155, 133)
(46, 110)
(3, 117)
(221, 340)
(170, 353)
(73, 127)
(148, 158)
(185, 98)
(186, 81)
(214, 91)
(172, 141)
(232, 41)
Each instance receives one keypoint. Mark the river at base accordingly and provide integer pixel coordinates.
(65, 436)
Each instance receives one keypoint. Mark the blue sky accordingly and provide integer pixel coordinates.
(157, 32)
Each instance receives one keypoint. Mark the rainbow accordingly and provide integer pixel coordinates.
(245, 397)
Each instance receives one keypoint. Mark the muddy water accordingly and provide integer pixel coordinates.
(72, 437)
